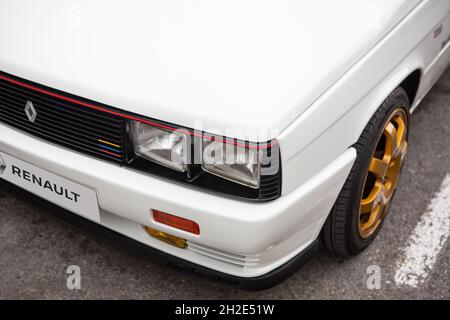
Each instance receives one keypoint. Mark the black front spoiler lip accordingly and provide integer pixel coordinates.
(260, 283)
(102, 233)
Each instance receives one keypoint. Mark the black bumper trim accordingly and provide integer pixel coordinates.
(260, 283)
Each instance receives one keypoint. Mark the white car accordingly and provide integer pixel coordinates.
(230, 136)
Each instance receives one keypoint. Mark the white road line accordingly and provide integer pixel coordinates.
(427, 240)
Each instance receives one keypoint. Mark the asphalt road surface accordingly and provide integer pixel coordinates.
(37, 244)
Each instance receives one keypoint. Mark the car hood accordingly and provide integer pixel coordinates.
(219, 66)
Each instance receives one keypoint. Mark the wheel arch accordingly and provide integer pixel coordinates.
(406, 76)
(411, 85)
(324, 148)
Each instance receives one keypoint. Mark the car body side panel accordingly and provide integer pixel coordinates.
(335, 121)
(435, 66)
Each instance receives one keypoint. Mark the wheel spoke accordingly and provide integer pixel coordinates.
(401, 130)
(391, 139)
(385, 195)
(373, 219)
(379, 167)
(371, 202)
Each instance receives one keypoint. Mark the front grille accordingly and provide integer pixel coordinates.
(63, 122)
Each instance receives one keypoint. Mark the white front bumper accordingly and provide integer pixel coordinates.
(238, 238)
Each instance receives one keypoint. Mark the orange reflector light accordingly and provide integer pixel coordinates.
(167, 238)
(176, 222)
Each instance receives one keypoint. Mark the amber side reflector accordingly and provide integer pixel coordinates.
(176, 222)
(167, 238)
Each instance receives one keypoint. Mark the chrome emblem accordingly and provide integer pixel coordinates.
(30, 111)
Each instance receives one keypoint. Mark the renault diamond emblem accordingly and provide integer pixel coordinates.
(30, 111)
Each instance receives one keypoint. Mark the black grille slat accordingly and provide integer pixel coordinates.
(54, 125)
(61, 135)
(81, 122)
(53, 100)
(270, 190)
(50, 119)
(67, 118)
(60, 106)
(39, 130)
(52, 138)
(270, 186)
(63, 122)
(55, 106)
(53, 122)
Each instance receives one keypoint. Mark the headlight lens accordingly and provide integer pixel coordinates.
(168, 148)
(181, 150)
(238, 164)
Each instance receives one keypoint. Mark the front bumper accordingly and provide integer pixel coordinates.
(239, 239)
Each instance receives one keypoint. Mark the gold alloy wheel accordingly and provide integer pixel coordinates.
(383, 173)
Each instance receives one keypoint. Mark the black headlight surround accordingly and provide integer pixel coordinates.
(196, 177)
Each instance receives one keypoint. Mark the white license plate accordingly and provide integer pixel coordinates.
(58, 190)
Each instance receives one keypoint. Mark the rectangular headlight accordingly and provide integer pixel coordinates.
(234, 163)
(168, 148)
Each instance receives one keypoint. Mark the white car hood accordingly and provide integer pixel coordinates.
(209, 64)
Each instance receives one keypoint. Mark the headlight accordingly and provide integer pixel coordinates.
(239, 168)
(168, 148)
(237, 164)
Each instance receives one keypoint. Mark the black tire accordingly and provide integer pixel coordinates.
(340, 234)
